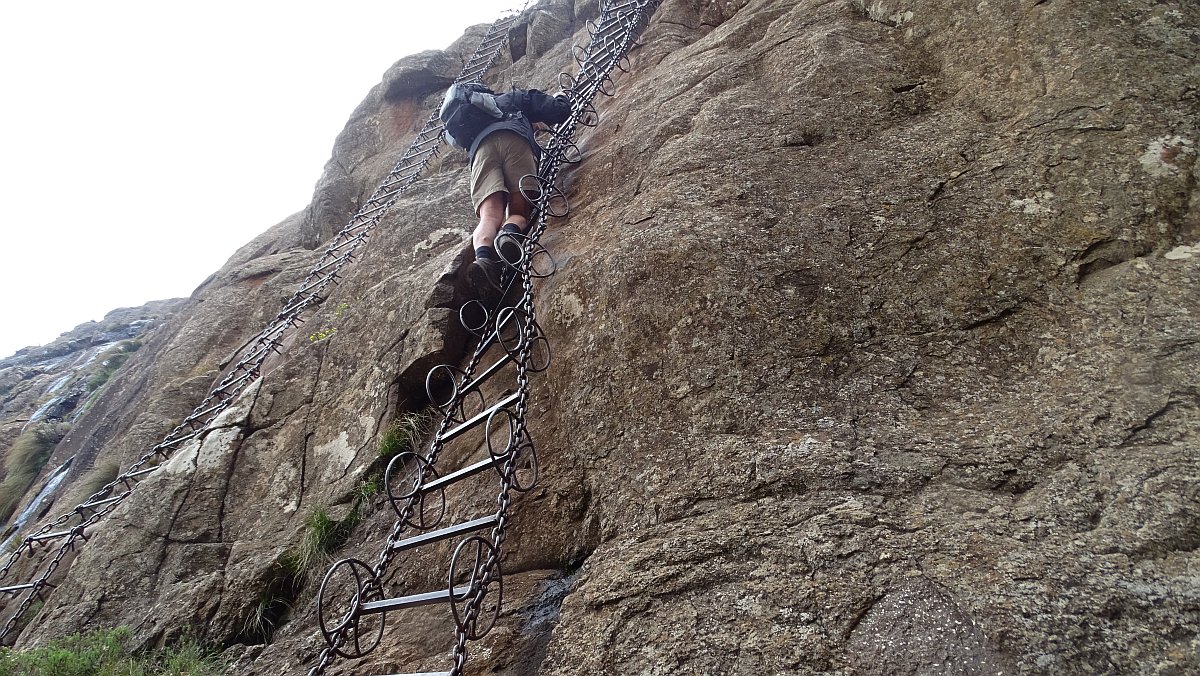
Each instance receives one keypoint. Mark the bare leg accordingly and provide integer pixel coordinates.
(491, 217)
(518, 211)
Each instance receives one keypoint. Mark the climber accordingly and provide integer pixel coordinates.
(502, 151)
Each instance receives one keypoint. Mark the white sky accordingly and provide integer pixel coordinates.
(143, 142)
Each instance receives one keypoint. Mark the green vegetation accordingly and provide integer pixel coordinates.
(303, 566)
(103, 653)
(329, 331)
(405, 434)
(98, 477)
(368, 488)
(24, 461)
(322, 535)
(296, 568)
(111, 361)
(321, 334)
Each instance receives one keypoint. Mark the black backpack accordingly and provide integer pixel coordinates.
(467, 108)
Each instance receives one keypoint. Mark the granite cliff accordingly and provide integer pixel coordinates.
(875, 351)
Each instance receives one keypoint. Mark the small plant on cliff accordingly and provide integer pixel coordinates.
(305, 563)
(111, 361)
(98, 477)
(329, 331)
(368, 488)
(266, 613)
(404, 434)
(322, 535)
(103, 653)
(296, 568)
(321, 334)
(24, 461)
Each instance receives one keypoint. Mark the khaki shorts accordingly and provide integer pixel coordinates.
(500, 162)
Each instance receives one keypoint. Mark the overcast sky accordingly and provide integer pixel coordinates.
(143, 142)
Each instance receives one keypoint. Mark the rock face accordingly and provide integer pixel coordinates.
(56, 385)
(875, 351)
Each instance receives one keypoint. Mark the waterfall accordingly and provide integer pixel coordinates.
(52, 483)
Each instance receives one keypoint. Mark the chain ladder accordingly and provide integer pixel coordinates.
(414, 486)
(338, 254)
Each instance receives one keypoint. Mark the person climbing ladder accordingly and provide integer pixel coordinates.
(497, 130)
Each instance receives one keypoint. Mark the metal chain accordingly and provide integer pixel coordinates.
(612, 35)
(312, 291)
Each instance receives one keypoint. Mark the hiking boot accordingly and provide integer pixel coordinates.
(486, 276)
(509, 244)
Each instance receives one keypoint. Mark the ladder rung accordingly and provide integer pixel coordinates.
(445, 533)
(411, 155)
(17, 587)
(480, 417)
(100, 503)
(488, 373)
(372, 210)
(413, 601)
(463, 473)
(141, 472)
(187, 437)
(50, 536)
(215, 408)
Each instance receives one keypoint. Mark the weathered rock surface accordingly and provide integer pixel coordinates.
(875, 351)
(59, 382)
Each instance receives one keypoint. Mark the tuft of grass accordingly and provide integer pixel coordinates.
(24, 461)
(268, 611)
(103, 653)
(190, 658)
(404, 434)
(369, 488)
(98, 477)
(295, 569)
(322, 535)
(112, 360)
